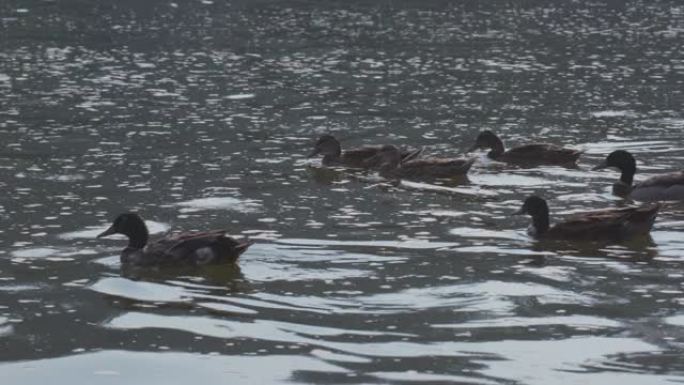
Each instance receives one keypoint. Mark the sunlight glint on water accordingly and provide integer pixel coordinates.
(200, 115)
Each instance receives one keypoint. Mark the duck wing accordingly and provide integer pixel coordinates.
(356, 157)
(197, 248)
(407, 155)
(359, 157)
(607, 224)
(541, 153)
(361, 152)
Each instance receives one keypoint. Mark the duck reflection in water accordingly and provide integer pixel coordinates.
(642, 249)
(220, 277)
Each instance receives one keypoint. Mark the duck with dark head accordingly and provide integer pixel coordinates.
(192, 248)
(358, 157)
(527, 154)
(609, 224)
(663, 187)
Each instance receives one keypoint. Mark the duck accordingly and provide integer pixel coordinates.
(663, 187)
(392, 166)
(189, 248)
(527, 154)
(608, 224)
(328, 146)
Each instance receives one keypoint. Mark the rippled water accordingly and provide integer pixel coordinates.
(199, 114)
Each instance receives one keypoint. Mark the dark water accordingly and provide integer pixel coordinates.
(199, 115)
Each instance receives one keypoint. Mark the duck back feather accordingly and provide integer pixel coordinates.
(540, 153)
(201, 248)
(665, 187)
(622, 223)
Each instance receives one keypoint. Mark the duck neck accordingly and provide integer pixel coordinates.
(138, 239)
(131, 255)
(331, 158)
(497, 148)
(333, 155)
(621, 189)
(540, 222)
(627, 176)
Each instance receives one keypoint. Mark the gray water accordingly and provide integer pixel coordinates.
(200, 114)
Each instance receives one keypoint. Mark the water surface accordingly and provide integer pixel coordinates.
(199, 115)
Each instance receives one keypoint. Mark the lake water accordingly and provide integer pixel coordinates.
(200, 114)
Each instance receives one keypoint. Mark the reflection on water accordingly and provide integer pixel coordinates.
(200, 115)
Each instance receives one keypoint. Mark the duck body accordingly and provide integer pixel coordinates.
(190, 248)
(663, 187)
(528, 154)
(538, 153)
(357, 157)
(391, 165)
(608, 224)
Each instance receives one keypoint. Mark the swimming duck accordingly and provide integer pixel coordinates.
(197, 248)
(391, 165)
(358, 157)
(612, 224)
(663, 187)
(534, 153)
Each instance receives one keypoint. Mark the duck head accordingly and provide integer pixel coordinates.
(533, 205)
(130, 225)
(327, 146)
(537, 208)
(623, 161)
(488, 140)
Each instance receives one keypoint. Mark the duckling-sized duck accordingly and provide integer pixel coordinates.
(663, 187)
(358, 157)
(198, 248)
(609, 224)
(391, 165)
(527, 154)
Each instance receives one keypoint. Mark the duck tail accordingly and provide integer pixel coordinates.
(470, 163)
(579, 152)
(648, 213)
(243, 246)
(653, 208)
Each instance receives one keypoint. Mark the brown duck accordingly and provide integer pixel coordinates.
(527, 154)
(609, 224)
(358, 157)
(391, 165)
(196, 248)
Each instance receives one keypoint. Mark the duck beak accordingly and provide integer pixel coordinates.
(519, 212)
(600, 166)
(473, 148)
(109, 231)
